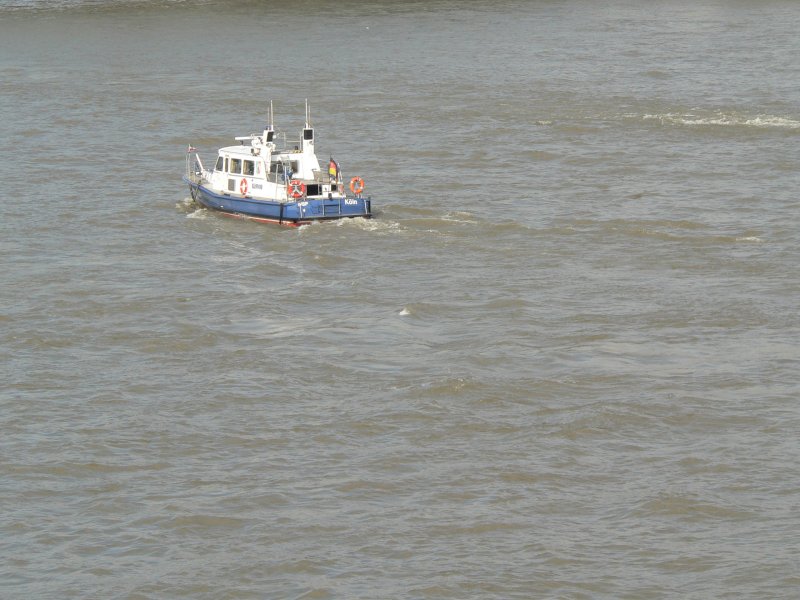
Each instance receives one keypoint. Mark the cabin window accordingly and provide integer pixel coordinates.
(248, 167)
(308, 134)
(236, 165)
(226, 164)
(219, 164)
(294, 167)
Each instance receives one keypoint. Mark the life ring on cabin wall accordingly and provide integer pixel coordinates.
(296, 188)
(357, 185)
(243, 186)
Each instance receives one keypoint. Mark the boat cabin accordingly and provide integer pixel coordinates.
(258, 168)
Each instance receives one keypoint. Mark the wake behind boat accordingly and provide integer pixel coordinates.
(262, 181)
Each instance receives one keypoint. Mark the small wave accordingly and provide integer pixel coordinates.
(460, 217)
(405, 312)
(88, 5)
(691, 507)
(184, 204)
(657, 74)
(721, 119)
(200, 213)
(451, 385)
(661, 229)
(205, 522)
(192, 210)
(373, 225)
(767, 121)
(541, 155)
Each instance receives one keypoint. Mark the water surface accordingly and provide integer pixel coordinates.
(560, 362)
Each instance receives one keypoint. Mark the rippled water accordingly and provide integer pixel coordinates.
(561, 361)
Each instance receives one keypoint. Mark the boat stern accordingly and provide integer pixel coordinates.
(331, 208)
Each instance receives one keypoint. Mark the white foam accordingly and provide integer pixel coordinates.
(725, 120)
(460, 217)
(185, 204)
(305, 228)
(750, 238)
(768, 121)
(200, 213)
(376, 225)
(405, 312)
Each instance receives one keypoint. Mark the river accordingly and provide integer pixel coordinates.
(560, 361)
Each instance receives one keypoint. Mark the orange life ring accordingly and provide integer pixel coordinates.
(243, 187)
(296, 189)
(356, 185)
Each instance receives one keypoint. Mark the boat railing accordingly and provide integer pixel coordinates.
(194, 167)
(324, 177)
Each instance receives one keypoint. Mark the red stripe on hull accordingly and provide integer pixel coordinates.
(264, 219)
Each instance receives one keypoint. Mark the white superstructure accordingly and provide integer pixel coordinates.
(257, 168)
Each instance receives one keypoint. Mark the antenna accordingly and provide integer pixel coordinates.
(308, 131)
(269, 131)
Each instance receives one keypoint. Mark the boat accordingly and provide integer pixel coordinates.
(272, 179)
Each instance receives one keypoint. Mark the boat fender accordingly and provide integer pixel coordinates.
(357, 185)
(243, 187)
(296, 188)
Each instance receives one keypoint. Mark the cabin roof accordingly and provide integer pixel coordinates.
(244, 150)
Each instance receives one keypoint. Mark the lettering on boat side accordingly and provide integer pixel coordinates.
(351, 202)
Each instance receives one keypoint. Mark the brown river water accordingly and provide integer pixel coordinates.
(560, 362)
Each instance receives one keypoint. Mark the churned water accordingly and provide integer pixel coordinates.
(560, 362)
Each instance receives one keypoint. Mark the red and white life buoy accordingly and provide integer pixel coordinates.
(296, 189)
(243, 187)
(357, 185)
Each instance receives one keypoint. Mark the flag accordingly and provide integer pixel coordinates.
(333, 170)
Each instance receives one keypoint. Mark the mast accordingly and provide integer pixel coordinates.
(308, 132)
(269, 132)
